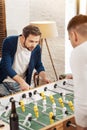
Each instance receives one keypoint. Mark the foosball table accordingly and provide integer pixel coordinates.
(48, 107)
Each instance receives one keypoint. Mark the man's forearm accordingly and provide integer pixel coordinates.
(18, 79)
(42, 74)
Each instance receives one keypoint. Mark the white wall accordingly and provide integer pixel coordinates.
(70, 11)
(17, 15)
(52, 10)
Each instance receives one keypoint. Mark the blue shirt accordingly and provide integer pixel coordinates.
(8, 52)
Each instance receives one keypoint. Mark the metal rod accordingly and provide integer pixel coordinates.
(53, 91)
(73, 125)
(65, 88)
(39, 122)
(69, 123)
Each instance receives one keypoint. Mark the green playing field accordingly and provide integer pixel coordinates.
(43, 119)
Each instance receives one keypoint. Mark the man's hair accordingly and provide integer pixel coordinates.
(31, 29)
(76, 21)
(79, 23)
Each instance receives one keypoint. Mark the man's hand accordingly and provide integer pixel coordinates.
(43, 76)
(21, 81)
(65, 76)
(46, 80)
(24, 86)
(69, 76)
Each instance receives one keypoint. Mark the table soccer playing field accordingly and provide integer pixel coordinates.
(42, 107)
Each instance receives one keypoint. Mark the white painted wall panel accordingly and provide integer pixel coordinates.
(17, 15)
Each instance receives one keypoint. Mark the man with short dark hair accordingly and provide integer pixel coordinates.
(20, 56)
(77, 30)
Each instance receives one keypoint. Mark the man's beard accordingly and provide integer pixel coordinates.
(29, 48)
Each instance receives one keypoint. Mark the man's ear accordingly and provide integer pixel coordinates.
(74, 36)
(23, 38)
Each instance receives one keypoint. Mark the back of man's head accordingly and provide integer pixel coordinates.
(78, 23)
